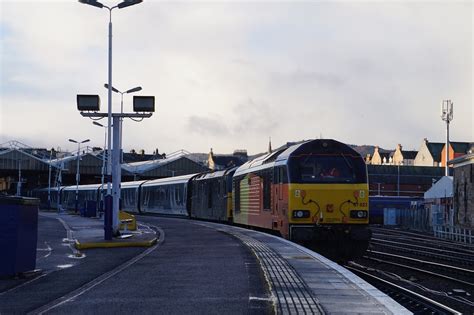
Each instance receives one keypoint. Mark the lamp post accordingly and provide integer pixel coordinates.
(121, 5)
(77, 169)
(18, 185)
(104, 155)
(135, 89)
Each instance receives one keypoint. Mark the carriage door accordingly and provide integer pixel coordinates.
(278, 195)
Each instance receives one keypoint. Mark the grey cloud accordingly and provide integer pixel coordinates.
(254, 117)
(207, 126)
(308, 77)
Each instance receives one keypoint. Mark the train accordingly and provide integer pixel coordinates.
(314, 193)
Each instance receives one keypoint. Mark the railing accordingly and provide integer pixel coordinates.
(454, 233)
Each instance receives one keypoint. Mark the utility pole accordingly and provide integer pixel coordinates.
(447, 116)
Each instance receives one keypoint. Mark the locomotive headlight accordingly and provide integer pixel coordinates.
(359, 214)
(301, 214)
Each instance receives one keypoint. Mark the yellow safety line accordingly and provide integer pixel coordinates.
(115, 244)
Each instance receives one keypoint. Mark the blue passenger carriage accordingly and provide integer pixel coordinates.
(167, 196)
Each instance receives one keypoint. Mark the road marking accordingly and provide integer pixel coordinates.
(95, 282)
(48, 249)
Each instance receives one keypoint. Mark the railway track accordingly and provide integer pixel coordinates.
(422, 238)
(448, 255)
(413, 301)
(466, 275)
(438, 269)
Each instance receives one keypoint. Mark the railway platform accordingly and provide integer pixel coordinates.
(194, 267)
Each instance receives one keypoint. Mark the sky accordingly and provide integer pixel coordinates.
(231, 74)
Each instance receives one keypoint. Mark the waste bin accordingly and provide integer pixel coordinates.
(91, 208)
(18, 234)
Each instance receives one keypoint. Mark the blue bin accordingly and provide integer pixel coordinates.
(18, 234)
(90, 208)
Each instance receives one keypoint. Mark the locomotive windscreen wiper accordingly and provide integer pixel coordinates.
(347, 162)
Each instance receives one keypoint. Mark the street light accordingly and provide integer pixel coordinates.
(77, 169)
(135, 89)
(121, 5)
(104, 154)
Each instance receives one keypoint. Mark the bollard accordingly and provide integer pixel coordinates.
(108, 218)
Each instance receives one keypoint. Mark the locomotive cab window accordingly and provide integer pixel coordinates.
(327, 169)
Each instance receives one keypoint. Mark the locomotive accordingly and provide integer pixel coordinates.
(314, 193)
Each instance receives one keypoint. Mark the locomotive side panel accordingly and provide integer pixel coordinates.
(209, 199)
(252, 206)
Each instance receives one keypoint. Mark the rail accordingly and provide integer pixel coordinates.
(413, 301)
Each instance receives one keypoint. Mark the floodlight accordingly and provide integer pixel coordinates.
(88, 102)
(144, 104)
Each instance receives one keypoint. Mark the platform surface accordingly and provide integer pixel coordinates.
(193, 267)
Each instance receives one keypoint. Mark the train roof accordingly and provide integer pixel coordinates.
(136, 183)
(169, 180)
(215, 174)
(143, 166)
(280, 157)
(83, 187)
(260, 162)
(52, 188)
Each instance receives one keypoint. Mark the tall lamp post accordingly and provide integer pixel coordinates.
(104, 156)
(121, 5)
(77, 169)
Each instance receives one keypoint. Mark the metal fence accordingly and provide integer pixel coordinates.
(429, 219)
(454, 233)
(414, 219)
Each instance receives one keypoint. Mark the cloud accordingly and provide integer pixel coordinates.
(230, 74)
(207, 126)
